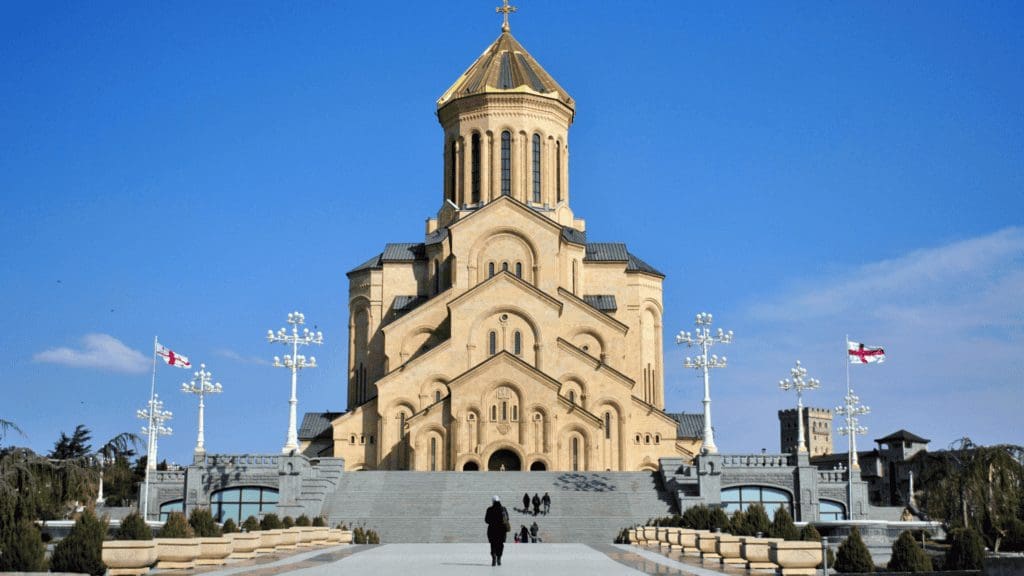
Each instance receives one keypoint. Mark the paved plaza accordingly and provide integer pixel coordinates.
(456, 559)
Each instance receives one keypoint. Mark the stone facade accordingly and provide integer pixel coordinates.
(817, 431)
(505, 340)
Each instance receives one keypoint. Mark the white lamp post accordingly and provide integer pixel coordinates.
(294, 362)
(797, 382)
(155, 416)
(851, 409)
(100, 460)
(201, 386)
(703, 338)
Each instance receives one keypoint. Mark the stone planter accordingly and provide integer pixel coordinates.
(707, 542)
(333, 536)
(129, 556)
(213, 551)
(796, 557)
(176, 553)
(670, 537)
(756, 552)
(305, 536)
(634, 535)
(244, 544)
(346, 536)
(728, 548)
(650, 533)
(688, 540)
(320, 536)
(269, 539)
(289, 539)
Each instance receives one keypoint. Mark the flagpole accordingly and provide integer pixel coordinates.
(850, 444)
(149, 446)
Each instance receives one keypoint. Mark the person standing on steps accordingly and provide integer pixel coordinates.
(534, 529)
(526, 503)
(546, 500)
(536, 504)
(496, 518)
(524, 534)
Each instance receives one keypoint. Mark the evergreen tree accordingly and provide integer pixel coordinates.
(853, 555)
(202, 523)
(82, 549)
(965, 550)
(739, 524)
(697, 518)
(303, 520)
(287, 522)
(74, 446)
(251, 524)
(133, 527)
(907, 556)
(719, 520)
(229, 526)
(319, 521)
(176, 526)
(783, 525)
(21, 547)
(757, 520)
(270, 522)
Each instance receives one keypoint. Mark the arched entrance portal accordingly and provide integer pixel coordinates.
(538, 466)
(506, 458)
(470, 466)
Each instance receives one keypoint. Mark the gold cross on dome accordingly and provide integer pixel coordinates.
(505, 9)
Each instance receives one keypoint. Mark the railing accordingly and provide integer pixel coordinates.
(756, 461)
(167, 476)
(832, 476)
(240, 460)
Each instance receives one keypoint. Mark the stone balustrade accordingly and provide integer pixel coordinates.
(728, 549)
(796, 558)
(707, 542)
(832, 476)
(756, 461)
(756, 551)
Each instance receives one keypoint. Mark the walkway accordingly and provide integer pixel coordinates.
(456, 559)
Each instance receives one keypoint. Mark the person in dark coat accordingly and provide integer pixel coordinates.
(534, 529)
(536, 504)
(496, 518)
(546, 500)
(524, 534)
(526, 503)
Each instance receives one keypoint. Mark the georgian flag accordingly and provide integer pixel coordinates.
(861, 354)
(172, 358)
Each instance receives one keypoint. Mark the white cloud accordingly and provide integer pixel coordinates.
(100, 351)
(232, 355)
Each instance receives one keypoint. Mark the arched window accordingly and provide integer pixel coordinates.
(647, 438)
(575, 274)
(515, 412)
(433, 453)
(575, 449)
(453, 170)
(173, 506)
(494, 412)
(637, 439)
(352, 439)
(607, 425)
(401, 424)
(504, 411)
(740, 497)
(506, 163)
(519, 269)
(657, 438)
(490, 269)
(504, 266)
(517, 342)
(536, 168)
(437, 395)
(492, 343)
(240, 503)
(475, 167)
(572, 396)
(829, 510)
(558, 171)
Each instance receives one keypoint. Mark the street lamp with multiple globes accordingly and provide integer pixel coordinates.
(294, 362)
(851, 409)
(797, 382)
(201, 386)
(155, 416)
(703, 338)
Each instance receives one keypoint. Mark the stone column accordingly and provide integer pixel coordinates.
(805, 504)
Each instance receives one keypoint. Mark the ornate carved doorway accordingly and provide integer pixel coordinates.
(506, 458)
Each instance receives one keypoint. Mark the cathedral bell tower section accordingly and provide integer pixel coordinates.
(506, 133)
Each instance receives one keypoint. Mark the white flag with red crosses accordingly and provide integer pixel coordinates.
(171, 357)
(861, 354)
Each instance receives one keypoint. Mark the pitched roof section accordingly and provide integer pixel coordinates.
(316, 423)
(606, 252)
(407, 303)
(637, 265)
(436, 237)
(690, 425)
(903, 436)
(374, 263)
(574, 236)
(403, 252)
(603, 302)
(506, 66)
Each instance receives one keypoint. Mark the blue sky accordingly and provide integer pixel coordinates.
(802, 170)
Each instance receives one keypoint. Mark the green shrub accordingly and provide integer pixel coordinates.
(229, 526)
(133, 527)
(358, 536)
(697, 518)
(203, 524)
(319, 521)
(21, 547)
(965, 550)
(303, 521)
(757, 520)
(907, 556)
(739, 525)
(342, 526)
(287, 522)
(783, 526)
(82, 549)
(1014, 541)
(251, 524)
(372, 537)
(720, 520)
(623, 537)
(853, 555)
(271, 522)
(176, 526)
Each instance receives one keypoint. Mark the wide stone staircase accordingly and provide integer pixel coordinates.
(449, 506)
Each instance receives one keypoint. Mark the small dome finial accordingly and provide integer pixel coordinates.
(505, 9)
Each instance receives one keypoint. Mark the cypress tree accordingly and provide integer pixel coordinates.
(202, 523)
(783, 525)
(133, 527)
(719, 520)
(176, 526)
(21, 547)
(739, 524)
(965, 551)
(303, 520)
(853, 555)
(251, 524)
(82, 549)
(270, 522)
(229, 526)
(907, 556)
(287, 522)
(319, 521)
(757, 520)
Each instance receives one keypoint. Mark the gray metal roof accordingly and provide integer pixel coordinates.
(690, 425)
(903, 436)
(436, 237)
(407, 303)
(403, 252)
(603, 302)
(606, 252)
(573, 235)
(371, 264)
(316, 423)
(637, 265)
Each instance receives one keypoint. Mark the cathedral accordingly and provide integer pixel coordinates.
(504, 340)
